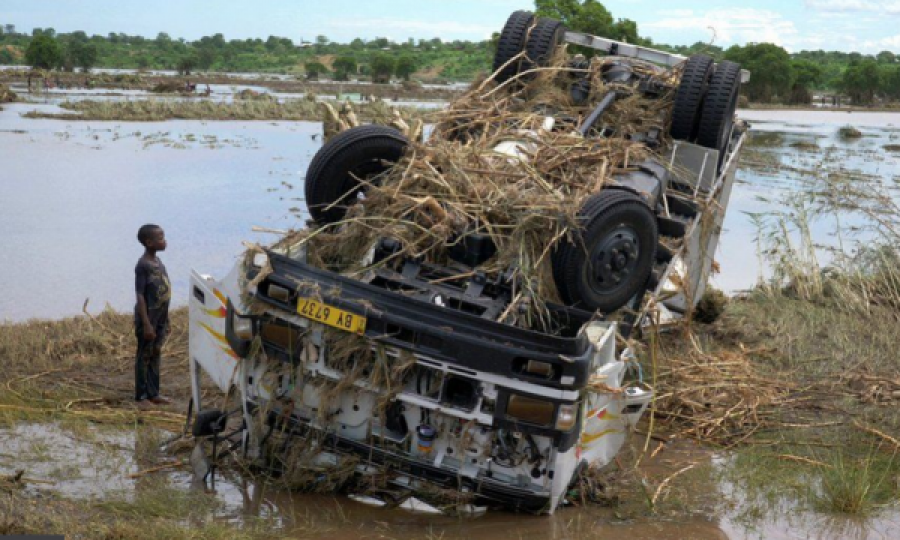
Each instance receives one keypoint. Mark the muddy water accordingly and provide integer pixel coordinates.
(96, 464)
(74, 193)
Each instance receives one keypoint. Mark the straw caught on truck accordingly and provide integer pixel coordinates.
(446, 325)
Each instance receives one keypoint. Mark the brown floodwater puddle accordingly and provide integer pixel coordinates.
(95, 463)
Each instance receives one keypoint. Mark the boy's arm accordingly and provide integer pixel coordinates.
(140, 281)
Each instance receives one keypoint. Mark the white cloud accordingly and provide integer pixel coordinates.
(844, 6)
(419, 28)
(733, 25)
(890, 43)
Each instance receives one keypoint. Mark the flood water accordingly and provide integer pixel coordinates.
(75, 193)
(105, 464)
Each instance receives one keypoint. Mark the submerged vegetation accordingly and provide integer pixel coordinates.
(7, 95)
(849, 132)
(254, 108)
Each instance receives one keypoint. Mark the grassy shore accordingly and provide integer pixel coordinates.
(249, 109)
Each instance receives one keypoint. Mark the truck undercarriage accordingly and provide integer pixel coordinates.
(406, 375)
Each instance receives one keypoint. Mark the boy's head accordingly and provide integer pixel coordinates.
(152, 237)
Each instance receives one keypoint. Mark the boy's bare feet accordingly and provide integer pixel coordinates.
(160, 400)
(144, 404)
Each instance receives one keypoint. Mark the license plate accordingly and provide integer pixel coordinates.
(330, 315)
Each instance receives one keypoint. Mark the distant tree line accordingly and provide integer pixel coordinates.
(379, 58)
(777, 76)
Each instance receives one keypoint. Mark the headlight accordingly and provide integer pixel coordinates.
(243, 328)
(530, 410)
(565, 418)
(279, 293)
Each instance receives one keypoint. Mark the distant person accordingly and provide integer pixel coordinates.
(151, 316)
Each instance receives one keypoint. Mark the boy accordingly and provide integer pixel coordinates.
(151, 316)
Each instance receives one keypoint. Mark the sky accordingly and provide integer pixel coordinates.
(868, 26)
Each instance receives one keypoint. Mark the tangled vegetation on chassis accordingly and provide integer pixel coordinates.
(447, 325)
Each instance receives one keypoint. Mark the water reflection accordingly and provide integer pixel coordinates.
(90, 464)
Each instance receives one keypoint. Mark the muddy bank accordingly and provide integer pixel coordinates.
(259, 108)
(146, 81)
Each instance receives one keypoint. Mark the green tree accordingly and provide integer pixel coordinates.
(44, 52)
(314, 69)
(143, 61)
(580, 15)
(807, 75)
(886, 57)
(343, 67)
(206, 57)
(406, 66)
(890, 82)
(163, 40)
(770, 68)
(382, 67)
(321, 43)
(87, 57)
(625, 30)
(861, 80)
(187, 63)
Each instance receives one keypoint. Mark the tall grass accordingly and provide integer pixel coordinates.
(864, 268)
(854, 486)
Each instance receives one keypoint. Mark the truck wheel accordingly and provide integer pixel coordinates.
(613, 253)
(543, 42)
(717, 117)
(511, 43)
(362, 152)
(689, 96)
(209, 423)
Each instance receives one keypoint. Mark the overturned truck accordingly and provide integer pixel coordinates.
(446, 325)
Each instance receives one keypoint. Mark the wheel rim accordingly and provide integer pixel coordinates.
(613, 260)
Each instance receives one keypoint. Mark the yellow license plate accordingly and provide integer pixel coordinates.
(330, 315)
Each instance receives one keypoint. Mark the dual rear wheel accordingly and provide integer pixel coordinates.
(705, 103)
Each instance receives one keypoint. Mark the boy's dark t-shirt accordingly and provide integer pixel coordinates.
(152, 281)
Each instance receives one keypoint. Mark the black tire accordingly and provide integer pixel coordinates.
(717, 117)
(613, 253)
(543, 42)
(511, 43)
(689, 97)
(208, 423)
(361, 152)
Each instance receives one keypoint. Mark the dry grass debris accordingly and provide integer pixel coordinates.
(82, 369)
(456, 184)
